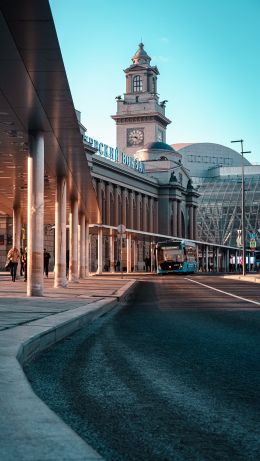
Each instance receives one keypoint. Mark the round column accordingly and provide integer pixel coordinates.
(87, 255)
(129, 252)
(108, 204)
(124, 195)
(112, 250)
(191, 216)
(138, 211)
(100, 251)
(175, 218)
(151, 214)
(116, 207)
(179, 226)
(82, 243)
(194, 223)
(60, 279)
(73, 266)
(131, 210)
(35, 212)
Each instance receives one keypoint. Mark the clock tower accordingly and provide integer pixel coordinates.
(140, 117)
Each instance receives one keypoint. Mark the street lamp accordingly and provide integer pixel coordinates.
(243, 205)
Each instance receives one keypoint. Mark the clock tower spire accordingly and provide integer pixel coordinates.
(140, 116)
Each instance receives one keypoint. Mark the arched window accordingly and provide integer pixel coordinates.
(137, 84)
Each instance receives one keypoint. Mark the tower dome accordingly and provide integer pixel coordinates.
(158, 151)
(141, 57)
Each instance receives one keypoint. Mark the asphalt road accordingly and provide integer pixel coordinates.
(173, 376)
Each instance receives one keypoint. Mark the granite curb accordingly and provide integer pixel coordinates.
(29, 430)
(244, 278)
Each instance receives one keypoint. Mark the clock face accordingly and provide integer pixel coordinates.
(135, 136)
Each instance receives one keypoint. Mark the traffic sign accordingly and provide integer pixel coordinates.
(252, 244)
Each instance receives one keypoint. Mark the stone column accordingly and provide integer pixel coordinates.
(128, 252)
(131, 210)
(73, 266)
(35, 212)
(151, 214)
(17, 234)
(116, 207)
(124, 194)
(87, 258)
(152, 255)
(60, 279)
(99, 195)
(155, 228)
(145, 213)
(191, 216)
(179, 226)
(138, 211)
(100, 251)
(108, 205)
(175, 218)
(135, 256)
(82, 249)
(112, 250)
(195, 223)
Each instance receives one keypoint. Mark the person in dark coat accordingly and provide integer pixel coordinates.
(46, 260)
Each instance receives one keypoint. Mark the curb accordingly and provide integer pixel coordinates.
(29, 429)
(243, 278)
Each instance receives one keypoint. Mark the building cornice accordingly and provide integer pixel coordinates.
(134, 118)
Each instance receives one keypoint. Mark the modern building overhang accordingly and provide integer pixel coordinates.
(35, 97)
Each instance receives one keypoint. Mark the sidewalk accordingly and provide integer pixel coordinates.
(29, 430)
(254, 277)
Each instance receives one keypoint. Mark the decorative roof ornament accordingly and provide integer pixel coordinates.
(173, 177)
(190, 186)
(141, 57)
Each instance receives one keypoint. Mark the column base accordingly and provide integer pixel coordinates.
(61, 283)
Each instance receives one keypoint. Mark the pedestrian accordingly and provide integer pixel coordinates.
(13, 256)
(21, 260)
(46, 260)
(147, 263)
(24, 260)
(118, 266)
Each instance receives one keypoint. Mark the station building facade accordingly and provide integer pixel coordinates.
(142, 184)
(189, 190)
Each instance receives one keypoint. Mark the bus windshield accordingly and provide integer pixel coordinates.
(170, 254)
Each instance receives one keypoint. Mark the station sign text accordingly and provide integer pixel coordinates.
(114, 155)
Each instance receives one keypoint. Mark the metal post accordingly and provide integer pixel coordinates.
(243, 206)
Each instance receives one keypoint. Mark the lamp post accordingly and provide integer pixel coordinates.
(243, 205)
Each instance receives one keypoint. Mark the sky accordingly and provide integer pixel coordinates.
(207, 53)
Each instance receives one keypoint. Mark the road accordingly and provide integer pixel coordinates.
(173, 376)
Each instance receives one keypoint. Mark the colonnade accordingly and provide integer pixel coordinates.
(78, 227)
(120, 205)
(177, 224)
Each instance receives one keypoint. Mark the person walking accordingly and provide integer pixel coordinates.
(46, 260)
(13, 256)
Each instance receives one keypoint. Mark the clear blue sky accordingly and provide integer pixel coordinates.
(207, 52)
